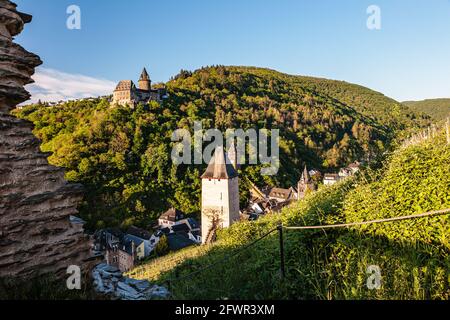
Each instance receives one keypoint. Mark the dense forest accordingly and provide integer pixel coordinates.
(122, 154)
(438, 109)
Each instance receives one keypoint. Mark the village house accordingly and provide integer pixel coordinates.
(143, 241)
(123, 250)
(174, 221)
(256, 207)
(142, 247)
(171, 218)
(126, 92)
(350, 170)
(174, 217)
(345, 172)
(127, 255)
(262, 206)
(118, 253)
(283, 195)
(122, 255)
(138, 232)
(331, 178)
(179, 237)
(354, 167)
(105, 238)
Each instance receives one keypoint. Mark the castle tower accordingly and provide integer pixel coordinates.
(145, 83)
(304, 184)
(220, 196)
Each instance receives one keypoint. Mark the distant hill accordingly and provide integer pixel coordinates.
(122, 155)
(438, 109)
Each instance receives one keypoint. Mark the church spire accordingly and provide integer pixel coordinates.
(305, 184)
(305, 176)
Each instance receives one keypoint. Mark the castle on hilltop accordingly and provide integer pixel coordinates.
(126, 92)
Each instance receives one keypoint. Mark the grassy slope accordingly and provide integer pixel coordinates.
(413, 255)
(438, 109)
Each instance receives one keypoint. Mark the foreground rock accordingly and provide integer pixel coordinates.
(110, 281)
(36, 234)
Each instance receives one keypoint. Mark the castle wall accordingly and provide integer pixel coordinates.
(130, 97)
(125, 97)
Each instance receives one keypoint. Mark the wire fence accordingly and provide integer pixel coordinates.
(280, 228)
(352, 224)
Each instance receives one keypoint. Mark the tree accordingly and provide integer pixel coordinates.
(162, 247)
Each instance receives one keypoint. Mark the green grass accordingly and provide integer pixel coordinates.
(45, 288)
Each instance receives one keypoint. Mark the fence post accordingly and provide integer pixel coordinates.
(280, 232)
(169, 285)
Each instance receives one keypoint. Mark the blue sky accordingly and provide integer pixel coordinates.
(409, 58)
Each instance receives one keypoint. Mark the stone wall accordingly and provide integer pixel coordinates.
(36, 234)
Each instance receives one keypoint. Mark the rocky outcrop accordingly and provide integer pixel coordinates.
(36, 233)
(109, 281)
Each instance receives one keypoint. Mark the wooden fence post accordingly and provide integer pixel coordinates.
(282, 265)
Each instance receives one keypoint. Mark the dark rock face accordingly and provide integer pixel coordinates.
(36, 235)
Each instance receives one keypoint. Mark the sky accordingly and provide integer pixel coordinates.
(408, 58)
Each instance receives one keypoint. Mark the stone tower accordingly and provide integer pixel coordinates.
(145, 83)
(220, 196)
(305, 184)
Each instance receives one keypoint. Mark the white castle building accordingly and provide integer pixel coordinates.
(220, 195)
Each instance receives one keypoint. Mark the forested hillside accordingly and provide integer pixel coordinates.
(412, 255)
(438, 109)
(122, 155)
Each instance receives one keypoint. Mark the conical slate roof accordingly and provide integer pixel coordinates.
(220, 166)
(144, 75)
